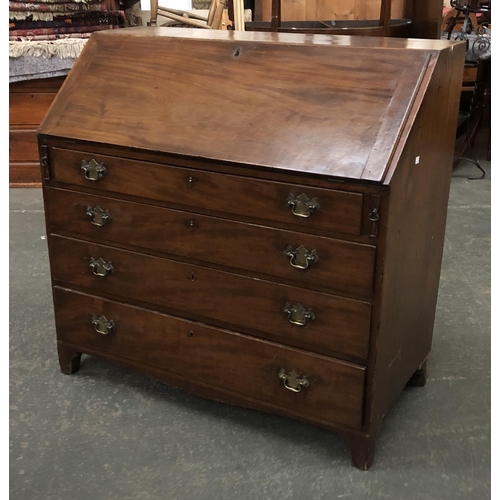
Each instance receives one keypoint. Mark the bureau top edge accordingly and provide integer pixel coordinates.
(288, 107)
(364, 42)
(47, 142)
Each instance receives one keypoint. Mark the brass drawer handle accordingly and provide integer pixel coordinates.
(93, 170)
(301, 205)
(103, 325)
(301, 257)
(298, 314)
(293, 381)
(98, 216)
(100, 267)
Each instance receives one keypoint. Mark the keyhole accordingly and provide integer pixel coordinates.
(237, 52)
(191, 334)
(192, 276)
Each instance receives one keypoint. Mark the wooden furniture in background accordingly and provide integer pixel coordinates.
(217, 17)
(471, 21)
(309, 10)
(238, 14)
(475, 110)
(28, 103)
(182, 17)
(401, 18)
(276, 245)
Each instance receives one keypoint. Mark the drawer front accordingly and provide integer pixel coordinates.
(322, 262)
(320, 209)
(23, 146)
(29, 109)
(340, 326)
(331, 391)
(25, 175)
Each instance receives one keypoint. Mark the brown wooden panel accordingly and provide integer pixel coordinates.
(339, 211)
(29, 102)
(427, 16)
(342, 266)
(324, 10)
(24, 175)
(470, 74)
(348, 9)
(38, 85)
(412, 240)
(341, 326)
(29, 108)
(398, 9)
(23, 146)
(328, 125)
(218, 358)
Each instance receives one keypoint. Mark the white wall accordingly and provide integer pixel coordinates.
(173, 4)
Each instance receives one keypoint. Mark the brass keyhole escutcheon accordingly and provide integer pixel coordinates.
(292, 380)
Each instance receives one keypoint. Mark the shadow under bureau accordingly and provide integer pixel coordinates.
(255, 218)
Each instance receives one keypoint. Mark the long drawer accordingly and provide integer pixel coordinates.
(310, 261)
(300, 206)
(29, 108)
(317, 321)
(328, 389)
(23, 146)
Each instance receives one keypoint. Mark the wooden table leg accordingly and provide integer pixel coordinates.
(419, 378)
(154, 13)
(69, 359)
(362, 450)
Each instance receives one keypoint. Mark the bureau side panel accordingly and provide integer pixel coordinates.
(410, 254)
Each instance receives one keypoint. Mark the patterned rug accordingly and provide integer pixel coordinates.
(49, 28)
(47, 36)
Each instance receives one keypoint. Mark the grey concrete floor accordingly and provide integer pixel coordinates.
(107, 433)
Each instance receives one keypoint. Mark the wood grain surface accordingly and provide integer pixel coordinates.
(307, 10)
(342, 266)
(203, 145)
(339, 211)
(341, 326)
(313, 107)
(24, 175)
(221, 359)
(413, 240)
(29, 101)
(29, 108)
(23, 146)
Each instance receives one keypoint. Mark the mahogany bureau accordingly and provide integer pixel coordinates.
(256, 218)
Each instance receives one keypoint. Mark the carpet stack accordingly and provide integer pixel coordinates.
(47, 28)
